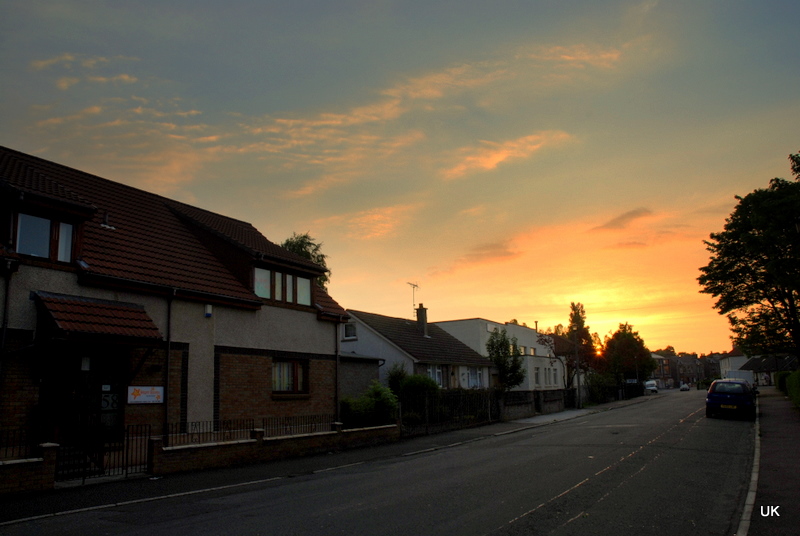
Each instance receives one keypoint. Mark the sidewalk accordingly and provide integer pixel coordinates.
(779, 471)
(70, 497)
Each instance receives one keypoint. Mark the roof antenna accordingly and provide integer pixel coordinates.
(414, 287)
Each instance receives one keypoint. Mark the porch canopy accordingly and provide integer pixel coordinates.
(81, 316)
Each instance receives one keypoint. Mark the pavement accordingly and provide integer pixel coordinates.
(778, 475)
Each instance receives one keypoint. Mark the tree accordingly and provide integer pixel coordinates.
(306, 246)
(626, 356)
(754, 271)
(504, 353)
(576, 333)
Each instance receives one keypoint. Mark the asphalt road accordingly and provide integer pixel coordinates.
(658, 467)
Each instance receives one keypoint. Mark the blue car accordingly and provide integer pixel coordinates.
(731, 397)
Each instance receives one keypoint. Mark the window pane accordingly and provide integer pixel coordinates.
(262, 283)
(33, 236)
(65, 242)
(282, 376)
(278, 286)
(290, 288)
(303, 291)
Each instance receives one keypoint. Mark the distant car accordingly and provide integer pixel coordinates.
(731, 397)
(651, 385)
(684, 387)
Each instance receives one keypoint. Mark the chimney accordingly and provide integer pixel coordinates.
(422, 320)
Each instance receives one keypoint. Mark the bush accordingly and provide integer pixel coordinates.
(417, 392)
(376, 407)
(601, 388)
(793, 387)
(395, 377)
(780, 380)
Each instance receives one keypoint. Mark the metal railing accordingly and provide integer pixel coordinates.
(447, 410)
(297, 425)
(200, 432)
(91, 453)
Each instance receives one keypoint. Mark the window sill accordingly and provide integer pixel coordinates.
(291, 396)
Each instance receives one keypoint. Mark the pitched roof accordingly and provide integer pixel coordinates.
(438, 348)
(134, 236)
(89, 316)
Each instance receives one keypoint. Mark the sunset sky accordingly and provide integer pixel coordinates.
(507, 157)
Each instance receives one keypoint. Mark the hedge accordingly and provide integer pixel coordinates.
(793, 387)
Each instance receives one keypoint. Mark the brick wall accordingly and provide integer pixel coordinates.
(245, 386)
(259, 449)
(19, 386)
(32, 474)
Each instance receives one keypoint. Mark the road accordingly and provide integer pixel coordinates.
(658, 467)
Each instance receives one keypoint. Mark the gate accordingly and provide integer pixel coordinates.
(93, 452)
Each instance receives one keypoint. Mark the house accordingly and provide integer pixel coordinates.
(544, 388)
(731, 361)
(664, 371)
(417, 346)
(121, 307)
(543, 371)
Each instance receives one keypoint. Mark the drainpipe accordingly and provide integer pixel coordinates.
(171, 297)
(10, 268)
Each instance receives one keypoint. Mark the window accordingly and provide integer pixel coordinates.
(555, 376)
(533, 350)
(350, 332)
(278, 286)
(40, 237)
(475, 378)
(536, 376)
(522, 350)
(303, 291)
(289, 288)
(263, 283)
(435, 373)
(289, 377)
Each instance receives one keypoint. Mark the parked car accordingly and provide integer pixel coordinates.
(651, 386)
(732, 397)
(684, 387)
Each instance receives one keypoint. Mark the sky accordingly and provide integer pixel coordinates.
(508, 158)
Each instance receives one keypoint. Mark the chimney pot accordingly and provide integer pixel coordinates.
(422, 320)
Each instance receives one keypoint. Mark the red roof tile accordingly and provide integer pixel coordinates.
(146, 239)
(75, 314)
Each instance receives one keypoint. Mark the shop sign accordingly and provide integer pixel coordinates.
(145, 395)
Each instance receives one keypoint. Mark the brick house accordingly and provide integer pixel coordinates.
(124, 307)
(417, 346)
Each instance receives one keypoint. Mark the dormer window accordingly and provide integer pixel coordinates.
(280, 287)
(41, 237)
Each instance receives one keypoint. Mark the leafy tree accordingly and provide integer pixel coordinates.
(306, 246)
(754, 271)
(577, 331)
(504, 353)
(626, 355)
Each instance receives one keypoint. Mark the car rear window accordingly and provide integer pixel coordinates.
(729, 388)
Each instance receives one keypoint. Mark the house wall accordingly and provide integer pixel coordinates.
(369, 343)
(475, 333)
(272, 328)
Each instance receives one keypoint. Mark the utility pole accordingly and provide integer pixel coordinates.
(577, 368)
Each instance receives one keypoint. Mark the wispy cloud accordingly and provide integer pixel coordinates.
(370, 224)
(624, 220)
(489, 155)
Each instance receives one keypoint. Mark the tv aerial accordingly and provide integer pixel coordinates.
(414, 287)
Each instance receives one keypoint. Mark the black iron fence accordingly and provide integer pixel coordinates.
(94, 453)
(200, 432)
(297, 425)
(441, 411)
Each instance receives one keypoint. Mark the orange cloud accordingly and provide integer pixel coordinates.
(375, 223)
(491, 154)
